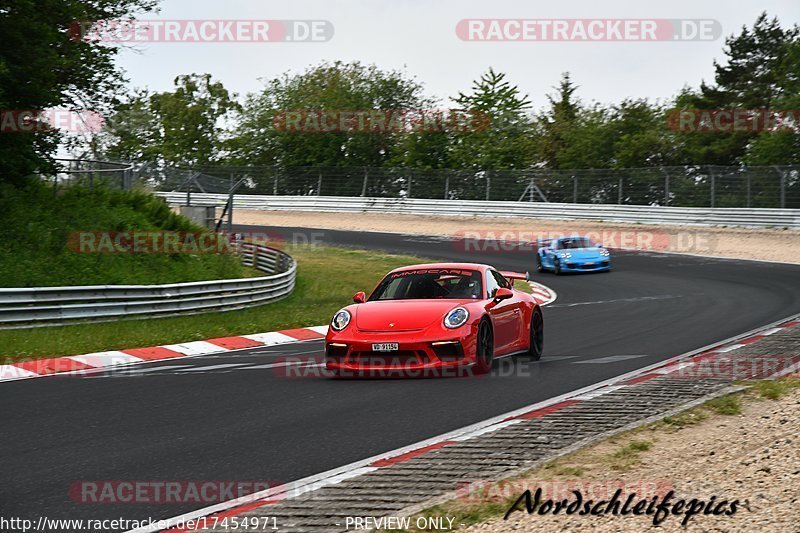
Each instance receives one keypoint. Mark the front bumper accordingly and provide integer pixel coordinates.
(585, 266)
(418, 353)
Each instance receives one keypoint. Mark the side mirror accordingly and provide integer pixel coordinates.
(503, 294)
(360, 297)
(599, 245)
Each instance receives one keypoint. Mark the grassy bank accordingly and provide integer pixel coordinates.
(327, 279)
(36, 224)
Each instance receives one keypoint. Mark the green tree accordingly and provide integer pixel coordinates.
(184, 127)
(44, 64)
(506, 142)
(328, 87)
(558, 123)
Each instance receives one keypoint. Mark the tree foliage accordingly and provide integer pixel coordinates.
(43, 65)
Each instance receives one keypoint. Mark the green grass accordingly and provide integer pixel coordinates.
(327, 280)
(628, 455)
(774, 389)
(684, 419)
(725, 405)
(36, 224)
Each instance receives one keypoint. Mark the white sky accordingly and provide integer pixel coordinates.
(419, 36)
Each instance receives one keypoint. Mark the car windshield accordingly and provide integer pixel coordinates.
(429, 284)
(575, 242)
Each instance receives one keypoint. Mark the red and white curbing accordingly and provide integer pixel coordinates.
(543, 294)
(538, 410)
(77, 364)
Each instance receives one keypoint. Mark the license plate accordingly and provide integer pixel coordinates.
(386, 347)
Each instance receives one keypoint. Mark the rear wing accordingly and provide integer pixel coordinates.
(515, 275)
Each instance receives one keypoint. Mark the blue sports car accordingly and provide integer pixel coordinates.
(572, 254)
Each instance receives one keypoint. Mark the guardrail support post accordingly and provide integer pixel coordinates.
(713, 188)
(749, 184)
(364, 185)
(574, 189)
(783, 188)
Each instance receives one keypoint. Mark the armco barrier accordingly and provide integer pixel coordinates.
(38, 306)
(702, 216)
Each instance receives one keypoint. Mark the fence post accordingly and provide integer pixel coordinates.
(666, 188)
(713, 187)
(488, 183)
(446, 187)
(783, 187)
(319, 185)
(275, 185)
(574, 189)
(619, 192)
(408, 190)
(531, 185)
(364, 185)
(749, 185)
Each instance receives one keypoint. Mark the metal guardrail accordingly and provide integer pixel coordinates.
(702, 216)
(42, 306)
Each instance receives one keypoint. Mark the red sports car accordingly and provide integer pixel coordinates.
(435, 317)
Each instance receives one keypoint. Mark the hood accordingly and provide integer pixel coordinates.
(583, 253)
(406, 315)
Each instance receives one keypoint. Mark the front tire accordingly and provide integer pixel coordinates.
(557, 267)
(484, 352)
(536, 344)
(539, 267)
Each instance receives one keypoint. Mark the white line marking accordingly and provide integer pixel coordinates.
(212, 367)
(104, 359)
(730, 348)
(619, 300)
(131, 371)
(323, 330)
(772, 331)
(10, 372)
(195, 348)
(609, 359)
(270, 338)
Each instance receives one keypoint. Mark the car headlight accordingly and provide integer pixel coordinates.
(565, 255)
(340, 320)
(456, 318)
(605, 253)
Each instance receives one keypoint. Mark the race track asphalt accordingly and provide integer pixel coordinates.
(195, 419)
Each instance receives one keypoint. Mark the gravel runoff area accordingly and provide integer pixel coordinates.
(781, 245)
(753, 456)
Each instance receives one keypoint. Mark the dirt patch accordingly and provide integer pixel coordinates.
(765, 244)
(752, 457)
